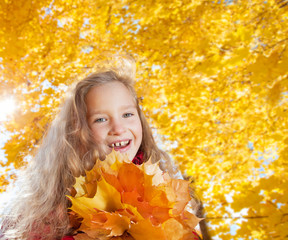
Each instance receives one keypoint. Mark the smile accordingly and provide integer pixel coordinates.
(120, 144)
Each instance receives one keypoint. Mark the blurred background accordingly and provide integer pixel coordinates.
(213, 77)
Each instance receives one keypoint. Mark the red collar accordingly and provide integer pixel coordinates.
(138, 159)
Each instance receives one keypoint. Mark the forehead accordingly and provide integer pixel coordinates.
(113, 92)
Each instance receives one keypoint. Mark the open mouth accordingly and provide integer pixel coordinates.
(120, 144)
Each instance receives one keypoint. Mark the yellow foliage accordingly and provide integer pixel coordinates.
(213, 75)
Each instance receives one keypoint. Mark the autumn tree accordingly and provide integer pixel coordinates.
(213, 75)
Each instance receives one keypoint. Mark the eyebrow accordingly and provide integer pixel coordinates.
(123, 108)
(128, 106)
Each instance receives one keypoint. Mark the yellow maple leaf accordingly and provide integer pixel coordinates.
(130, 201)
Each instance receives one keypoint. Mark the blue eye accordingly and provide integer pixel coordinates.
(100, 120)
(126, 115)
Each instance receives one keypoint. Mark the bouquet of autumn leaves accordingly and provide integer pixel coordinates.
(120, 200)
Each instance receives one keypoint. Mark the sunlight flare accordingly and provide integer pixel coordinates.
(7, 107)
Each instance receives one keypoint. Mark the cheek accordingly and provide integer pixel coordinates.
(98, 134)
(139, 131)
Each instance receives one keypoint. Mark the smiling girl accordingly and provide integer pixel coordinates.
(100, 115)
(113, 118)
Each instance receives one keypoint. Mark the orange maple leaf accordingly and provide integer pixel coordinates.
(131, 202)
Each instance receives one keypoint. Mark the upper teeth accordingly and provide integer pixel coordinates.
(118, 144)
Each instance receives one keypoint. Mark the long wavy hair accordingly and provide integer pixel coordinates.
(38, 207)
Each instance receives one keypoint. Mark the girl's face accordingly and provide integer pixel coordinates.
(113, 118)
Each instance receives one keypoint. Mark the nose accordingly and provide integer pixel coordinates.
(116, 127)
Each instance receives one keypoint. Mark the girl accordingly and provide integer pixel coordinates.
(102, 113)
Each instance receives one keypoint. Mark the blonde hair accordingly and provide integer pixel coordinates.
(39, 206)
